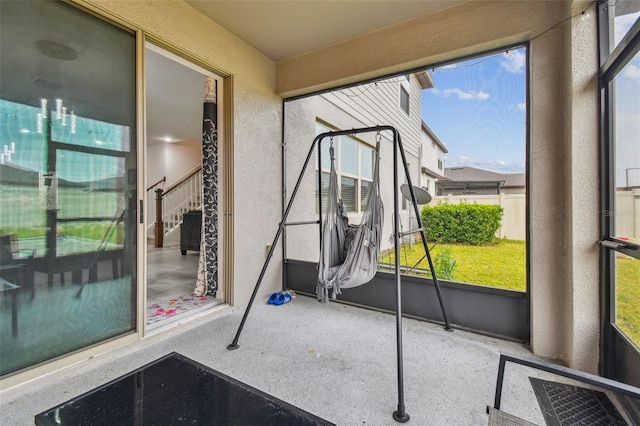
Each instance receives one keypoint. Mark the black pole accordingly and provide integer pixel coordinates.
(501, 367)
(283, 202)
(320, 194)
(400, 415)
(234, 345)
(447, 326)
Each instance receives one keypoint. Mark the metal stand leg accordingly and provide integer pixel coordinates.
(447, 326)
(234, 345)
(400, 415)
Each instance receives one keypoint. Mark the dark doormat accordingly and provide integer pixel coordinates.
(176, 390)
(564, 405)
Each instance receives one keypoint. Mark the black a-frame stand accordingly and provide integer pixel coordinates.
(400, 414)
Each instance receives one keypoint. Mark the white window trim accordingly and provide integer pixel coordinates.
(337, 144)
(403, 89)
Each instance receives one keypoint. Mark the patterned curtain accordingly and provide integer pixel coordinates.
(207, 281)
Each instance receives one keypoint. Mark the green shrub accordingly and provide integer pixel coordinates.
(444, 264)
(472, 224)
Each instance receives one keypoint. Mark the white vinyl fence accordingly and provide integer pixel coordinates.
(627, 212)
(513, 225)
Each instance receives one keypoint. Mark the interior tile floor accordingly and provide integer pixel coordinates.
(332, 360)
(169, 273)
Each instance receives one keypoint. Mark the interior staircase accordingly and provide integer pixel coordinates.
(184, 195)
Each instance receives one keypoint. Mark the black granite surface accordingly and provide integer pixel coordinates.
(175, 390)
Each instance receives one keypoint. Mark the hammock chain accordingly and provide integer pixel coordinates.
(331, 150)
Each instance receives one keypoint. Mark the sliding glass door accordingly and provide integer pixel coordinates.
(67, 182)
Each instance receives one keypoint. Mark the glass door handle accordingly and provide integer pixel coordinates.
(628, 247)
(613, 245)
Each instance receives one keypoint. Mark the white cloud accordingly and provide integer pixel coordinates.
(461, 94)
(520, 107)
(498, 166)
(632, 72)
(513, 62)
(623, 24)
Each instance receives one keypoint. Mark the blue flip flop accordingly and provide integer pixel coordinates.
(280, 299)
(273, 298)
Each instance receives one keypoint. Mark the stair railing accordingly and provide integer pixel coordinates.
(178, 198)
(159, 182)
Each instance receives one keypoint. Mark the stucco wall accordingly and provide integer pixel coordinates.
(563, 223)
(582, 286)
(257, 118)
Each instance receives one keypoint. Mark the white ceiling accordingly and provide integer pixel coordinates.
(175, 94)
(284, 29)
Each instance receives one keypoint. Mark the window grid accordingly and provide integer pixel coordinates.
(353, 195)
(404, 99)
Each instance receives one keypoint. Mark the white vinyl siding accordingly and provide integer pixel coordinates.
(431, 153)
(377, 103)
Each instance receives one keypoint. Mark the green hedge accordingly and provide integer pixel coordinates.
(472, 224)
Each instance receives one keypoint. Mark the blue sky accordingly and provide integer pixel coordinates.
(627, 110)
(478, 110)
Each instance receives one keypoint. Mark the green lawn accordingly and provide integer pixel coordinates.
(500, 264)
(503, 265)
(628, 297)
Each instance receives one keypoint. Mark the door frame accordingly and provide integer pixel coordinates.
(619, 356)
(225, 168)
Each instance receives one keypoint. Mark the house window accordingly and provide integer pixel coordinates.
(404, 99)
(354, 167)
(439, 164)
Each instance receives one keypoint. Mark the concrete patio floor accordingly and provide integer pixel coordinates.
(333, 360)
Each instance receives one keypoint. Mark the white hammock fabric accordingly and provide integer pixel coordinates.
(349, 253)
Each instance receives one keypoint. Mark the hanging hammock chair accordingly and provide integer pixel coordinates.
(349, 253)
